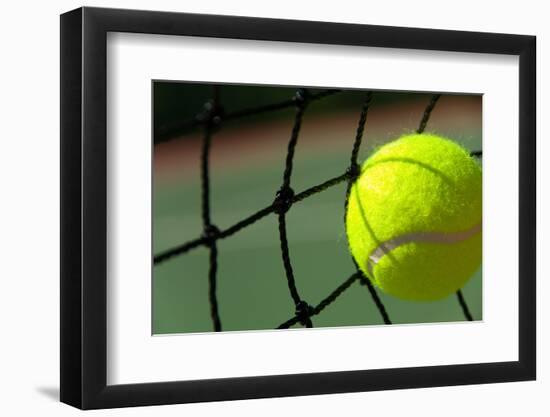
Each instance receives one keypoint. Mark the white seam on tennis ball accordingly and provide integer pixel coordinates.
(430, 237)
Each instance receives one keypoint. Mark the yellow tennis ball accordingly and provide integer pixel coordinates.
(414, 217)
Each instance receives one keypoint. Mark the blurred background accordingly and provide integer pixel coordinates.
(246, 167)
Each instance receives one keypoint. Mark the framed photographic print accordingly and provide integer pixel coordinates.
(257, 208)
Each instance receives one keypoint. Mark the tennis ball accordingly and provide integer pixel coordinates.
(413, 219)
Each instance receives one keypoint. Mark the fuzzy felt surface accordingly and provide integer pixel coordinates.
(418, 183)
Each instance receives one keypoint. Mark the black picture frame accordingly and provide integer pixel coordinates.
(84, 207)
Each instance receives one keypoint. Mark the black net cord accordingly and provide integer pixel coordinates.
(171, 132)
(212, 288)
(325, 302)
(464, 306)
(354, 171)
(427, 113)
(253, 218)
(212, 115)
(283, 202)
(377, 301)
